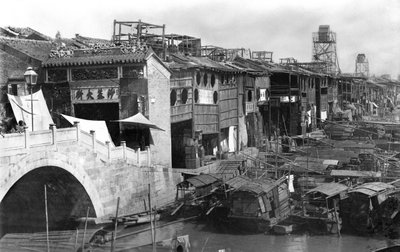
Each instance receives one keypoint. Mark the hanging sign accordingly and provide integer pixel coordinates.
(101, 94)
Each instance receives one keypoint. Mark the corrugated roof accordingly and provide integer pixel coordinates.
(329, 189)
(135, 57)
(372, 188)
(202, 180)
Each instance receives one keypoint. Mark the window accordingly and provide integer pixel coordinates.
(249, 95)
(198, 77)
(173, 97)
(184, 96)
(196, 95)
(212, 80)
(215, 97)
(205, 79)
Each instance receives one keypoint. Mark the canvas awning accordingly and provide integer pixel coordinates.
(139, 120)
(100, 127)
(21, 106)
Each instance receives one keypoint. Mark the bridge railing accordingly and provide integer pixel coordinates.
(19, 143)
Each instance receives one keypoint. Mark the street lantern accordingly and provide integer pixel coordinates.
(30, 76)
(31, 79)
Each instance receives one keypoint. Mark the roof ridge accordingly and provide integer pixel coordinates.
(26, 40)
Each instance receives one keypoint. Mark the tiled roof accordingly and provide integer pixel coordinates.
(184, 62)
(135, 57)
(23, 33)
(37, 49)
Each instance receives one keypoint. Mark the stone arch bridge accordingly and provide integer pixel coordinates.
(79, 172)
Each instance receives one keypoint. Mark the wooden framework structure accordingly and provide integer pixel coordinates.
(324, 51)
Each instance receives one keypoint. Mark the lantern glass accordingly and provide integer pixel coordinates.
(30, 76)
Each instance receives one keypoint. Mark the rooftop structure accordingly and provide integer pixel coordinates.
(154, 36)
(362, 66)
(324, 51)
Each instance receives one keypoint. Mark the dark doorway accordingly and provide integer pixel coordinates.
(181, 137)
(136, 137)
(101, 111)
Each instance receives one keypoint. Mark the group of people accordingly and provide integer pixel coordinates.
(10, 125)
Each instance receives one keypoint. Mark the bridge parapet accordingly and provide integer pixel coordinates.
(20, 143)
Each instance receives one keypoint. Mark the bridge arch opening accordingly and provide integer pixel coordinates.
(23, 207)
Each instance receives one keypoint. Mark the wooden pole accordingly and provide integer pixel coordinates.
(47, 217)
(115, 227)
(155, 224)
(336, 217)
(84, 231)
(151, 221)
(32, 105)
(76, 239)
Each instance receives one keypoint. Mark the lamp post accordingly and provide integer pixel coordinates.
(31, 79)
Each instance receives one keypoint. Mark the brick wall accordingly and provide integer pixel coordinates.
(159, 111)
(10, 67)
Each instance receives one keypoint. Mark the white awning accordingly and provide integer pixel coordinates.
(99, 127)
(139, 120)
(21, 106)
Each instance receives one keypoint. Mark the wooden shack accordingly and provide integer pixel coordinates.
(321, 207)
(198, 186)
(370, 207)
(255, 204)
(204, 104)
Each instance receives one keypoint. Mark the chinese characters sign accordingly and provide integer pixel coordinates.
(101, 94)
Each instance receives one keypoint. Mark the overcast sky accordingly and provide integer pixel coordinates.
(285, 27)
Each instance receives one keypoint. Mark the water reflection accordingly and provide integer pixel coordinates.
(205, 238)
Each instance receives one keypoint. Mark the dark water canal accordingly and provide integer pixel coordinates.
(204, 238)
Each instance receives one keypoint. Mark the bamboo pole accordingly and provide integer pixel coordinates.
(151, 222)
(76, 239)
(47, 219)
(115, 227)
(84, 231)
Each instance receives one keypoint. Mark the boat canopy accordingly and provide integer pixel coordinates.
(257, 186)
(371, 189)
(329, 189)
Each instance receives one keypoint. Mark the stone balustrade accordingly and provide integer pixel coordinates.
(18, 143)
